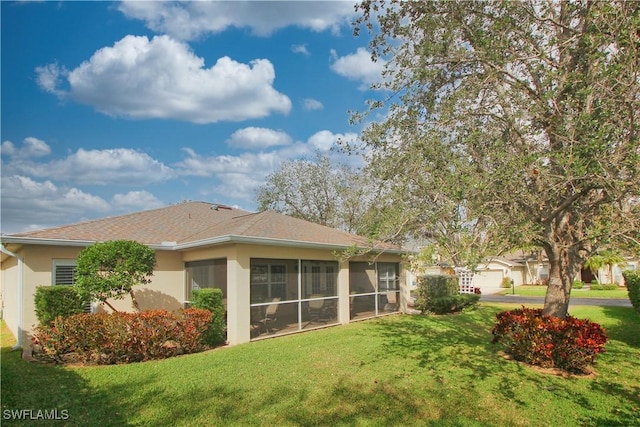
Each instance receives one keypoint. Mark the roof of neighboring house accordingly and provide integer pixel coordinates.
(193, 224)
(504, 261)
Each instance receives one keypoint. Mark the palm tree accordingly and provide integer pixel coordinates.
(603, 259)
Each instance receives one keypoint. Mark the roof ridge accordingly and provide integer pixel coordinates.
(333, 229)
(108, 218)
(210, 226)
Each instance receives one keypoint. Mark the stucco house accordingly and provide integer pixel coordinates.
(278, 274)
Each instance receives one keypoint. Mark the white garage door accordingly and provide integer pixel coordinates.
(488, 279)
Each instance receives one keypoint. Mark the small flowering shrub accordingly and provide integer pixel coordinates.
(122, 337)
(569, 344)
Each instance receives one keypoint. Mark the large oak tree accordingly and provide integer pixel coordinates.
(515, 124)
(321, 191)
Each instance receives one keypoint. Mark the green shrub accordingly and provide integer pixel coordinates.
(452, 304)
(111, 269)
(211, 299)
(54, 301)
(632, 280)
(122, 337)
(605, 287)
(440, 294)
(506, 282)
(569, 344)
(577, 284)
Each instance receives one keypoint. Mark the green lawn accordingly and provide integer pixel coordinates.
(540, 291)
(397, 370)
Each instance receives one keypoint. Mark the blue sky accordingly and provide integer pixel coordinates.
(115, 107)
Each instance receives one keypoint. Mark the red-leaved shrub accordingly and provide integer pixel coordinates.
(123, 337)
(569, 344)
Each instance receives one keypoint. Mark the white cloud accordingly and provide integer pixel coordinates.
(235, 177)
(50, 77)
(254, 137)
(187, 20)
(7, 148)
(358, 66)
(136, 200)
(310, 104)
(246, 163)
(325, 140)
(97, 167)
(300, 48)
(161, 78)
(31, 147)
(29, 204)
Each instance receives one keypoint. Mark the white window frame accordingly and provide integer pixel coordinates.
(89, 308)
(62, 263)
(274, 280)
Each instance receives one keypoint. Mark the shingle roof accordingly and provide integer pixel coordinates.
(198, 222)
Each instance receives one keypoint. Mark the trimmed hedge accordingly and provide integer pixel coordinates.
(211, 299)
(632, 280)
(506, 282)
(569, 344)
(577, 284)
(440, 294)
(54, 301)
(452, 304)
(122, 337)
(604, 287)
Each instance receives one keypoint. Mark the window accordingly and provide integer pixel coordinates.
(374, 288)
(388, 276)
(319, 278)
(210, 273)
(289, 295)
(64, 273)
(268, 281)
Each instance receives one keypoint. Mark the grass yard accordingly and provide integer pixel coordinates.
(398, 370)
(541, 291)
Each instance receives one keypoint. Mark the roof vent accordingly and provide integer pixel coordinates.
(216, 207)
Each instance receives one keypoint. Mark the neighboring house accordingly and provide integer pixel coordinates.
(613, 274)
(278, 274)
(524, 269)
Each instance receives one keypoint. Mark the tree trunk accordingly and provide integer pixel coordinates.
(110, 306)
(566, 256)
(556, 302)
(134, 300)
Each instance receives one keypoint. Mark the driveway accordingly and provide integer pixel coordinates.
(540, 300)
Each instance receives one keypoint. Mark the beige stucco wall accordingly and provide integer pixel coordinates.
(38, 266)
(9, 271)
(167, 288)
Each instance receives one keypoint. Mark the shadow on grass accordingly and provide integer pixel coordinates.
(627, 326)
(462, 343)
(34, 393)
(457, 352)
(438, 341)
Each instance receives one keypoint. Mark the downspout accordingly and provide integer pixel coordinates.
(6, 251)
